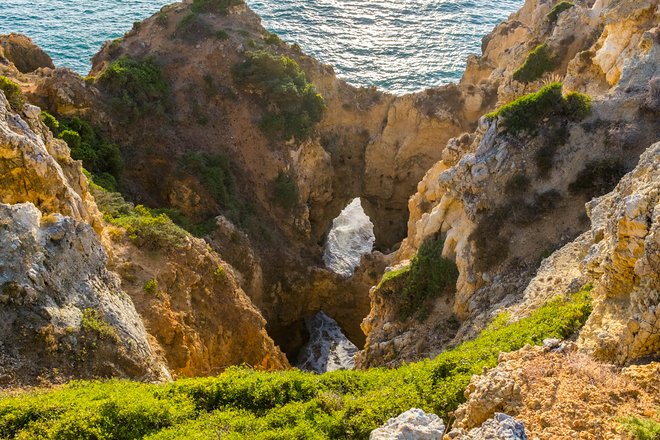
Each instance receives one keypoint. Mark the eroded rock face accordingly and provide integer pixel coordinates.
(555, 392)
(194, 308)
(24, 54)
(624, 263)
(413, 424)
(63, 314)
(328, 349)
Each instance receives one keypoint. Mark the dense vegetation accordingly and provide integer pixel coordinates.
(643, 429)
(429, 275)
(145, 227)
(245, 404)
(538, 62)
(99, 156)
(292, 103)
(526, 112)
(137, 87)
(12, 93)
(560, 7)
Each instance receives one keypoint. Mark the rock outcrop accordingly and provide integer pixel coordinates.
(63, 313)
(500, 427)
(24, 54)
(413, 424)
(624, 263)
(557, 392)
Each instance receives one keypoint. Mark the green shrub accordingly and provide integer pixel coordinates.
(244, 404)
(214, 6)
(292, 104)
(429, 276)
(221, 34)
(51, 122)
(642, 429)
(92, 320)
(560, 7)
(285, 191)
(526, 112)
(597, 177)
(272, 39)
(539, 61)
(148, 229)
(101, 157)
(517, 184)
(151, 287)
(12, 93)
(137, 87)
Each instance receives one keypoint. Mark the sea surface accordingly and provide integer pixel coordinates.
(399, 46)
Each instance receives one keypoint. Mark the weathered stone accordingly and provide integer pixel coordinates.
(413, 424)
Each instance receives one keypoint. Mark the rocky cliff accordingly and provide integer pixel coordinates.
(65, 311)
(506, 196)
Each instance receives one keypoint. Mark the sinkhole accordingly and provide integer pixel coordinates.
(351, 237)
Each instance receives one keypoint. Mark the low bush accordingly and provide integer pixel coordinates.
(597, 178)
(538, 62)
(285, 191)
(149, 229)
(245, 404)
(92, 320)
(526, 112)
(292, 105)
(214, 6)
(151, 287)
(137, 87)
(429, 276)
(560, 7)
(12, 93)
(51, 122)
(642, 429)
(99, 156)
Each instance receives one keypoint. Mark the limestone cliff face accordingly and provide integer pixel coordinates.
(63, 313)
(624, 263)
(190, 302)
(504, 201)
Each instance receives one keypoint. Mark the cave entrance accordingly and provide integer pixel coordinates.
(351, 237)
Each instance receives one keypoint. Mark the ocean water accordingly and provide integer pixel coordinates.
(399, 46)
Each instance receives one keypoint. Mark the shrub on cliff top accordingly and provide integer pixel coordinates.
(292, 105)
(560, 7)
(538, 61)
(526, 112)
(245, 404)
(137, 87)
(12, 93)
(215, 6)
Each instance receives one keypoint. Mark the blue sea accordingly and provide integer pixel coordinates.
(399, 46)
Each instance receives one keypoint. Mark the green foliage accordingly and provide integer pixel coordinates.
(539, 61)
(245, 404)
(389, 277)
(221, 34)
(92, 320)
(101, 157)
(642, 429)
(597, 177)
(526, 112)
(560, 7)
(51, 122)
(137, 87)
(430, 275)
(292, 104)
(151, 287)
(285, 190)
(149, 229)
(12, 93)
(214, 6)
(517, 184)
(272, 39)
